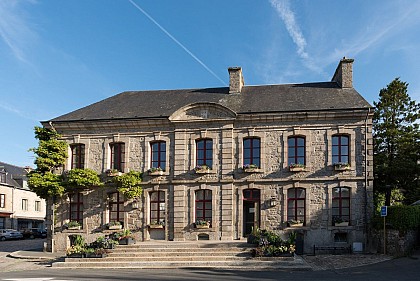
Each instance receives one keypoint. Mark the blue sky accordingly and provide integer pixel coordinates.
(58, 56)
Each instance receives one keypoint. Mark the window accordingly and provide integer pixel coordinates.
(252, 152)
(205, 152)
(340, 237)
(157, 207)
(117, 156)
(341, 204)
(203, 205)
(296, 204)
(116, 207)
(2, 200)
(24, 204)
(296, 150)
(340, 149)
(158, 155)
(76, 207)
(2, 177)
(37, 206)
(77, 156)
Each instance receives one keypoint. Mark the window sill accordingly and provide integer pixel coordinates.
(296, 169)
(204, 171)
(156, 173)
(156, 226)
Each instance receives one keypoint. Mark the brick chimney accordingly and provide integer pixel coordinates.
(344, 73)
(236, 80)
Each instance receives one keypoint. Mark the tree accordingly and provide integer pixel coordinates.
(396, 148)
(51, 154)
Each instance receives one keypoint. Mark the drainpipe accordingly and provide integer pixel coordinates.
(366, 177)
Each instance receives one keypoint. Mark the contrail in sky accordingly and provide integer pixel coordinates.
(176, 41)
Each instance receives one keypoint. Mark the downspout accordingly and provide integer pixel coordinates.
(366, 178)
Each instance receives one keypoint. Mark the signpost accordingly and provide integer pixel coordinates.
(384, 213)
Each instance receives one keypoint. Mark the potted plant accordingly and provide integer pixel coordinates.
(104, 242)
(114, 225)
(96, 253)
(341, 166)
(125, 237)
(113, 173)
(202, 169)
(155, 171)
(157, 224)
(75, 251)
(296, 167)
(251, 168)
(73, 225)
(295, 223)
(202, 224)
(339, 221)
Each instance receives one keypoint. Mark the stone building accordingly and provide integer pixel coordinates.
(218, 162)
(20, 208)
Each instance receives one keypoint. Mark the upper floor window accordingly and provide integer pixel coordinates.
(204, 152)
(252, 151)
(203, 205)
(2, 200)
(296, 204)
(2, 177)
(37, 206)
(24, 204)
(296, 150)
(116, 207)
(341, 204)
(76, 207)
(340, 149)
(77, 156)
(158, 159)
(117, 156)
(157, 207)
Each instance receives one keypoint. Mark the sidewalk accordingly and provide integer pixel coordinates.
(35, 255)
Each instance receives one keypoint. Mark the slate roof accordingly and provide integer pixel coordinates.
(15, 174)
(252, 99)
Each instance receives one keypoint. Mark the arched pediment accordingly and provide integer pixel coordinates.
(202, 112)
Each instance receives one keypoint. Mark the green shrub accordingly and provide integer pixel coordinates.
(399, 218)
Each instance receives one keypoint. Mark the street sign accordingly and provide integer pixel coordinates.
(384, 211)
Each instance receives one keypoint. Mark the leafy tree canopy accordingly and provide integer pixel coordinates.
(129, 184)
(82, 178)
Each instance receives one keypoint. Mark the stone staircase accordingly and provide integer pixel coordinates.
(198, 254)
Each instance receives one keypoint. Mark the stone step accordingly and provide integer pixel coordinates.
(189, 245)
(156, 259)
(177, 253)
(129, 249)
(278, 263)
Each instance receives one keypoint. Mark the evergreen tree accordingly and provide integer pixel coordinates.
(396, 142)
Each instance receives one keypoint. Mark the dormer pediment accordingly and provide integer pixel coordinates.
(202, 112)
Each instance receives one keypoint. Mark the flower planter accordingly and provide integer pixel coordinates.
(75, 255)
(127, 241)
(115, 227)
(156, 173)
(203, 171)
(114, 174)
(296, 169)
(295, 224)
(156, 226)
(199, 226)
(74, 228)
(344, 223)
(341, 167)
(253, 170)
(93, 255)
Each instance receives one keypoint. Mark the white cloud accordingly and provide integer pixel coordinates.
(14, 29)
(288, 17)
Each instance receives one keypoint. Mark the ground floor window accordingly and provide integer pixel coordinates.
(296, 204)
(341, 205)
(116, 207)
(2, 223)
(157, 207)
(203, 205)
(76, 207)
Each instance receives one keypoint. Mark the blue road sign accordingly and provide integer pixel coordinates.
(384, 211)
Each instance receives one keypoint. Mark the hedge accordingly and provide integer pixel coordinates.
(400, 218)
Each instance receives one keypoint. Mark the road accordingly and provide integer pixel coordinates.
(21, 270)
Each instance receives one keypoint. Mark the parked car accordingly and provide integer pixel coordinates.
(34, 233)
(6, 234)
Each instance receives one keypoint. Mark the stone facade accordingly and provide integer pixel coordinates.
(227, 180)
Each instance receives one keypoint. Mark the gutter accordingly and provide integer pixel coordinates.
(366, 177)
